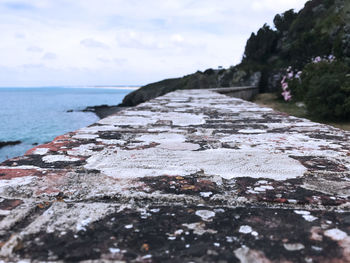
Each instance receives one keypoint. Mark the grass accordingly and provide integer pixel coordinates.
(271, 100)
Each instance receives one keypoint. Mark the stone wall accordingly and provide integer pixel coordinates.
(193, 176)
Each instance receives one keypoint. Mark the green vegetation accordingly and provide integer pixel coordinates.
(326, 90)
(320, 29)
(296, 109)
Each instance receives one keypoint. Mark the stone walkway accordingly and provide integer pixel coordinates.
(193, 176)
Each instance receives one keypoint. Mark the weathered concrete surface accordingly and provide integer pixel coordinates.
(193, 176)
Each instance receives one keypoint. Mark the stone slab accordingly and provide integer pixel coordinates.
(192, 176)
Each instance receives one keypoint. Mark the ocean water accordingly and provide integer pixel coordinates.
(38, 115)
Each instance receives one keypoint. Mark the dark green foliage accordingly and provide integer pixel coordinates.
(261, 46)
(197, 80)
(308, 45)
(209, 72)
(321, 28)
(283, 22)
(325, 89)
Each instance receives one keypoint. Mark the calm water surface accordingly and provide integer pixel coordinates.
(38, 115)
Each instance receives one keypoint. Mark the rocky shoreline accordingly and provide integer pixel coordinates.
(102, 111)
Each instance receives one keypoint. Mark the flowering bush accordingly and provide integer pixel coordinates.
(291, 82)
(327, 89)
(324, 86)
(288, 82)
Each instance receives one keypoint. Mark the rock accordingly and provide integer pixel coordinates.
(9, 143)
(102, 111)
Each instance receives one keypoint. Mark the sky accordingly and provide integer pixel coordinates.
(124, 42)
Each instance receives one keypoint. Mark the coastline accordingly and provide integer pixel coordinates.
(67, 109)
(103, 111)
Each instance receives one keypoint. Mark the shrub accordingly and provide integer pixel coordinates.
(326, 88)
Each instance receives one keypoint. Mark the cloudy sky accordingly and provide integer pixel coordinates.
(124, 42)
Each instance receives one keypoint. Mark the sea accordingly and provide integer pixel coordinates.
(37, 115)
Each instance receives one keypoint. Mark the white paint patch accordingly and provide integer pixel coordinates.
(306, 215)
(336, 234)
(263, 188)
(22, 167)
(17, 181)
(83, 150)
(81, 226)
(199, 229)
(309, 218)
(59, 158)
(4, 212)
(245, 229)
(252, 131)
(170, 141)
(96, 129)
(227, 163)
(206, 215)
(179, 119)
(182, 119)
(41, 151)
(121, 120)
(302, 212)
(114, 250)
(255, 234)
(85, 136)
(294, 247)
(60, 217)
(110, 142)
(206, 194)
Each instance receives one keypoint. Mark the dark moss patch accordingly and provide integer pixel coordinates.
(324, 136)
(189, 185)
(36, 160)
(165, 234)
(320, 163)
(110, 135)
(9, 204)
(285, 192)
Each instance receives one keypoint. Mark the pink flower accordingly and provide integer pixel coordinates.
(286, 95)
(285, 86)
(283, 80)
(298, 75)
(331, 58)
(290, 75)
(317, 59)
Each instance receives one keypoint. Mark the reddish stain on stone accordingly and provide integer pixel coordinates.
(55, 145)
(9, 204)
(6, 174)
(52, 183)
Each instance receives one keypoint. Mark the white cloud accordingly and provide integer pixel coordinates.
(124, 41)
(277, 6)
(92, 43)
(49, 56)
(35, 49)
